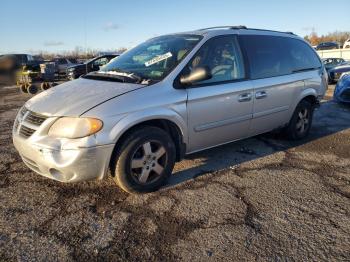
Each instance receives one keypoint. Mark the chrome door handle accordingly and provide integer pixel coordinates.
(260, 94)
(245, 97)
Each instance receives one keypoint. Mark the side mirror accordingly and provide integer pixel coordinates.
(197, 75)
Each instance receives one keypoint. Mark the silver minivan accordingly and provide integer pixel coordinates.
(168, 97)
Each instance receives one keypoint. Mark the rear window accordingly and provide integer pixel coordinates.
(271, 56)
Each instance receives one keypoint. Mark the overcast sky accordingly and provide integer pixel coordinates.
(29, 26)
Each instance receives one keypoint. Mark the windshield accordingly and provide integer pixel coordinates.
(90, 60)
(153, 59)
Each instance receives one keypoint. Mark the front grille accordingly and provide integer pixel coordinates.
(35, 118)
(28, 122)
(26, 131)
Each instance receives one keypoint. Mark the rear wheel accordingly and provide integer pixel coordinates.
(31, 89)
(144, 160)
(44, 86)
(23, 88)
(300, 124)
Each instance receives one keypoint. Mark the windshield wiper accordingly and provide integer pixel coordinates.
(140, 79)
(96, 76)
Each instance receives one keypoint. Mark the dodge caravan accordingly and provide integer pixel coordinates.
(168, 97)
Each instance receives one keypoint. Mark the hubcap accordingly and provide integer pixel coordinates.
(303, 121)
(148, 162)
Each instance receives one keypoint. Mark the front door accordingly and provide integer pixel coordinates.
(219, 109)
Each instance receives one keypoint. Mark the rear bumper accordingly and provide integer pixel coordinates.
(72, 165)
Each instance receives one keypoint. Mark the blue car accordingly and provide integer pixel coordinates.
(342, 89)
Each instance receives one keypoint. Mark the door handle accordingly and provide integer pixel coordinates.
(260, 94)
(245, 97)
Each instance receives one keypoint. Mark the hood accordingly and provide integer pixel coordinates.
(75, 66)
(75, 97)
(341, 68)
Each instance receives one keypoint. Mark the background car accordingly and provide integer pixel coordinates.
(11, 62)
(347, 44)
(327, 46)
(63, 63)
(342, 89)
(94, 64)
(335, 73)
(332, 62)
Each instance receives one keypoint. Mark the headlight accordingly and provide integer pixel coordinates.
(75, 127)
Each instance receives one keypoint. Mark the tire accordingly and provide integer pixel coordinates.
(300, 124)
(23, 89)
(31, 89)
(44, 86)
(144, 160)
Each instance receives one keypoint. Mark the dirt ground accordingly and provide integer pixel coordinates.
(263, 198)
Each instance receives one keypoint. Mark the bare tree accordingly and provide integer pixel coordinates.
(336, 36)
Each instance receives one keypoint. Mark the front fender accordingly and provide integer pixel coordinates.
(135, 118)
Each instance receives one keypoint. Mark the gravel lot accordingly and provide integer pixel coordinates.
(262, 198)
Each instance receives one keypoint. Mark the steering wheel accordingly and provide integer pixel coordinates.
(222, 69)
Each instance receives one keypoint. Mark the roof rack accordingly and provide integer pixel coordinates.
(257, 29)
(225, 26)
(243, 27)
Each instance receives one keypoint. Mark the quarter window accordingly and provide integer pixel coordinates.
(271, 56)
(302, 55)
(222, 56)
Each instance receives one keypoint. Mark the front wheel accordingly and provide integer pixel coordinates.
(300, 124)
(144, 160)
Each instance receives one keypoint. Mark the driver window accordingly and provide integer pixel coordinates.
(222, 56)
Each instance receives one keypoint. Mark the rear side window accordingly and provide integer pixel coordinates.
(267, 56)
(271, 56)
(302, 55)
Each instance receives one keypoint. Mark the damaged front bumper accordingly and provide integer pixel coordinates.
(65, 160)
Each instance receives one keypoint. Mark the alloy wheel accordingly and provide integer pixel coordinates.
(303, 121)
(148, 162)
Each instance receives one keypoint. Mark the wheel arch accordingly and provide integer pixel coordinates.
(308, 94)
(312, 99)
(170, 122)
